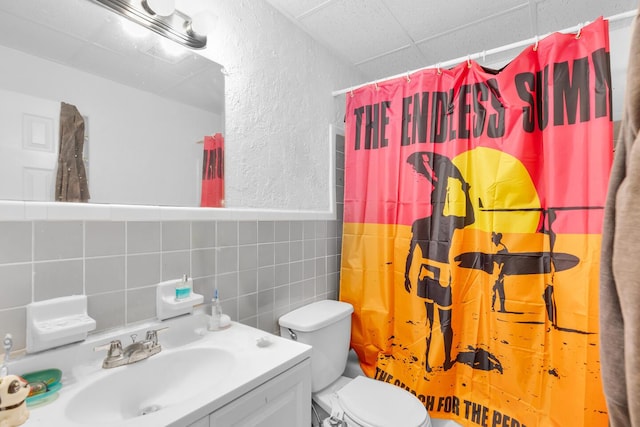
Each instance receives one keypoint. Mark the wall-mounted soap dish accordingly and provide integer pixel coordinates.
(55, 322)
(167, 306)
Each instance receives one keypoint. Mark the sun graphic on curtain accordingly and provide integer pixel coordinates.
(498, 183)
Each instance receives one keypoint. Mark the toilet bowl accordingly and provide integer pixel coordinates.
(359, 401)
(365, 402)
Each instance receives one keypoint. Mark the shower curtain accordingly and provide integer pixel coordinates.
(472, 230)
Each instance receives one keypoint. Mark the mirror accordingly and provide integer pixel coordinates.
(147, 104)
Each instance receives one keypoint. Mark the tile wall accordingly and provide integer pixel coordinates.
(262, 269)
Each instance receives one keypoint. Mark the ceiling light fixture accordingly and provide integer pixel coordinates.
(175, 26)
(160, 7)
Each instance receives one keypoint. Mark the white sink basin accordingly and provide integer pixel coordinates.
(149, 386)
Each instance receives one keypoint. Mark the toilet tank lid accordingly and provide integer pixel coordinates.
(316, 315)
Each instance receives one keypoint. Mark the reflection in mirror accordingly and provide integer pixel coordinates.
(147, 104)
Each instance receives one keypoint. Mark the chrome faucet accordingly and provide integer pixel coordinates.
(134, 352)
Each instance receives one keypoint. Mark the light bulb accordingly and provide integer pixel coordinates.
(162, 7)
(203, 22)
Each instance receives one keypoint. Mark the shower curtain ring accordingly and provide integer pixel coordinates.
(535, 47)
(438, 68)
(376, 85)
(351, 93)
(408, 78)
(469, 61)
(579, 31)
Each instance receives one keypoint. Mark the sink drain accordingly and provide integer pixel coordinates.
(150, 409)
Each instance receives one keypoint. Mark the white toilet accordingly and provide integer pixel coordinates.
(361, 401)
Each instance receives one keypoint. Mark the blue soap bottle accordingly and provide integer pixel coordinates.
(183, 290)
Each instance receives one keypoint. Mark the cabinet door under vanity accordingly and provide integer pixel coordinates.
(284, 401)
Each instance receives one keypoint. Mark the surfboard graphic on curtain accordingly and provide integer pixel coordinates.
(472, 219)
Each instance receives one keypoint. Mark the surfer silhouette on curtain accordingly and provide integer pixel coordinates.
(433, 235)
(523, 263)
(498, 286)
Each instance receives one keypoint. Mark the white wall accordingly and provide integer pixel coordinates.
(278, 106)
(620, 43)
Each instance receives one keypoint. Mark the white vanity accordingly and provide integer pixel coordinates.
(240, 376)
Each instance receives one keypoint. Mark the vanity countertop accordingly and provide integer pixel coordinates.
(197, 372)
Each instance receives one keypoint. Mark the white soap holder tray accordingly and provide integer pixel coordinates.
(59, 321)
(167, 306)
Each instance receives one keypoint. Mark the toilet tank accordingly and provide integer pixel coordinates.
(325, 326)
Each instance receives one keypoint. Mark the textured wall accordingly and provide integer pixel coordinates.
(278, 106)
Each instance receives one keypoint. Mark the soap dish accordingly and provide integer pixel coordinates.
(49, 380)
(167, 306)
(43, 398)
(59, 321)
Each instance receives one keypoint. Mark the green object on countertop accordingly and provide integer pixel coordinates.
(44, 384)
(45, 397)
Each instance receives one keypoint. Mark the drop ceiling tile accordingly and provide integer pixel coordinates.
(295, 8)
(110, 65)
(79, 17)
(26, 36)
(394, 63)
(204, 90)
(356, 29)
(555, 16)
(486, 35)
(423, 19)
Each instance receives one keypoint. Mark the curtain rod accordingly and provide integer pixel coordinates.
(507, 47)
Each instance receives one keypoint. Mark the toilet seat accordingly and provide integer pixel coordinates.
(372, 403)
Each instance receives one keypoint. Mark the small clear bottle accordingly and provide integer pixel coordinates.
(216, 312)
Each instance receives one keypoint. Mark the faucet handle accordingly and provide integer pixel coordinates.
(114, 347)
(152, 335)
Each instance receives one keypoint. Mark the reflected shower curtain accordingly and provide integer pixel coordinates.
(472, 220)
(212, 193)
